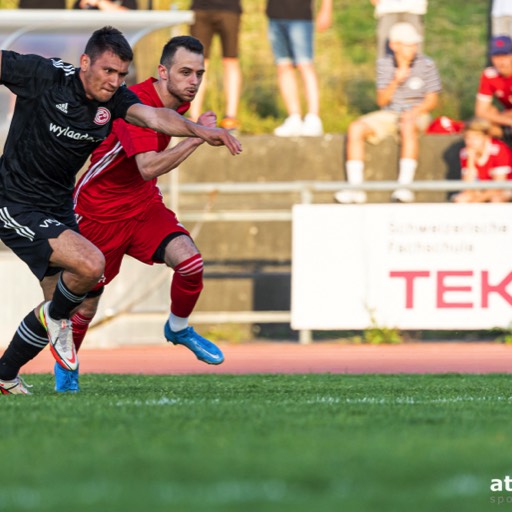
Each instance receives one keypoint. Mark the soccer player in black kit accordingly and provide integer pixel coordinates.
(62, 114)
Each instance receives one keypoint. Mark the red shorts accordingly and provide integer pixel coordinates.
(139, 237)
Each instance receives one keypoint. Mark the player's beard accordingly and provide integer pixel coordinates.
(181, 97)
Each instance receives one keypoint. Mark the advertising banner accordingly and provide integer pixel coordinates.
(409, 266)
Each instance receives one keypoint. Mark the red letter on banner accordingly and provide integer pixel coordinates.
(499, 288)
(442, 288)
(409, 276)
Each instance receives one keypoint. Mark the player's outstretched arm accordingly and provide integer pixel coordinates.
(168, 121)
(152, 164)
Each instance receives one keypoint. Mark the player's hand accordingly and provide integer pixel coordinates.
(219, 137)
(208, 118)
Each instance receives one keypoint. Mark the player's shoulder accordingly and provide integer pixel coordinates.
(145, 91)
(38, 62)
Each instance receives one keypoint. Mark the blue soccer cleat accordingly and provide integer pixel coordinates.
(65, 380)
(203, 349)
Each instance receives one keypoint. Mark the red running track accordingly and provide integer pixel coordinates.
(277, 357)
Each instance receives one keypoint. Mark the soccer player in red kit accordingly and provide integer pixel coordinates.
(120, 209)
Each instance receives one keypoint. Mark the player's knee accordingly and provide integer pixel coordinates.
(191, 270)
(356, 130)
(93, 266)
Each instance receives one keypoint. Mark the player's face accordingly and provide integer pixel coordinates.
(475, 141)
(104, 76)
(503, 64)
(185, 75)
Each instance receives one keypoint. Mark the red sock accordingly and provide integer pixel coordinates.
(80, 326)
(186, 286)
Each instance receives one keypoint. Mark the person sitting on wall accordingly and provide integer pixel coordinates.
(483, 158)
(408, 87)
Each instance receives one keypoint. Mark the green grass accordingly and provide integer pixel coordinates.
(257, 443)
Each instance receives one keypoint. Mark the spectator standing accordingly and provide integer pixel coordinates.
(291, 33)
(496, 84)
(408, 87)
(483, 158)
(222, 18)
(501, 18)
(389, 12)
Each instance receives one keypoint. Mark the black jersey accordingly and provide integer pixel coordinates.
(53, 131)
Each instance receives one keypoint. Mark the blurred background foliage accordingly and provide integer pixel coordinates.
(456, 35)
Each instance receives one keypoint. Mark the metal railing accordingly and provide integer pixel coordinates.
(306, 191)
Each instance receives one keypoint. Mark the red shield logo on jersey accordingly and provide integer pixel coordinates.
(102, 116)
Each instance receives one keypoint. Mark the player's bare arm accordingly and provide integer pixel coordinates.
(153, 164)
(168, 121)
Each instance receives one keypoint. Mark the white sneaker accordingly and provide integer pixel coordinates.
(14, 387)
(60, 335)
(312, 126)
(402, 195)
(292, 127)
(350, 196)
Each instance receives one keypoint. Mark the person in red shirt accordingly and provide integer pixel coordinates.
(483, 158)
(120, 209)
(496, 88)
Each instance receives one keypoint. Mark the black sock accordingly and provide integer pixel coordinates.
(64, 301)
(30, 338)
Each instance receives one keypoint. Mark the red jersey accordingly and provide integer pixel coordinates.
(112, 188)
(497, 159)
(494, 85)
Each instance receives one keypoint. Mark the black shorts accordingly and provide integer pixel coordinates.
(26, 232)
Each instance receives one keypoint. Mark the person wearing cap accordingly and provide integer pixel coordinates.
(408, 87)
(496, 84)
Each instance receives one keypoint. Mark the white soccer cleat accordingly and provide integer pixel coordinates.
(60, 335)
(14, 387)
(350, 196)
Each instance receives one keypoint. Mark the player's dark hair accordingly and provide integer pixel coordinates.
(188, 42)
(108, 39)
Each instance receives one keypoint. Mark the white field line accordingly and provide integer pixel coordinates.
(322, 400)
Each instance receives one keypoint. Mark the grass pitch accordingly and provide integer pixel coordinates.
(258, 443)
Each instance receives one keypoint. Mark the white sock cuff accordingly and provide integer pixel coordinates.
(407, 170)
(177, 323)
(355, 171)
